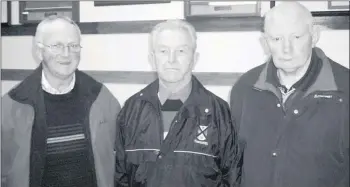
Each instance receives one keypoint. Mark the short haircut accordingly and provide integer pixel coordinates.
(46, 23)
(175, 24)
(288, 7)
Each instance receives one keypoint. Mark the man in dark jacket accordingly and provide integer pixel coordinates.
(175, 132)
(293, 111)
(58, 125)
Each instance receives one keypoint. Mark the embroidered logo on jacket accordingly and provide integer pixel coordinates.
(323, 96)
(202, 134)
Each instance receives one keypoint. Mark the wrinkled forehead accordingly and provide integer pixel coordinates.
(173, 36)
(283, 24)
(288, 16)
(61, 31)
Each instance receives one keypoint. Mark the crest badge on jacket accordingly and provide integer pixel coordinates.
(202, 133)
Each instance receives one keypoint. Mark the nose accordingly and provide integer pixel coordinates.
(287, 46)
(172, 57)
(65, 51)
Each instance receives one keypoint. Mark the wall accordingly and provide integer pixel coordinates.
(3, 11)
(90, 13)
(219, 52)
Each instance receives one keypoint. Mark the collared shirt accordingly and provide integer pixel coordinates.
(164, 94)
(46, 86)
(182, 93)
(302, 84)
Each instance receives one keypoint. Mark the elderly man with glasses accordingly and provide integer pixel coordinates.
(58, 125)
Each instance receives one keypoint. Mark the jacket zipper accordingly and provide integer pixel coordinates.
(160, 119)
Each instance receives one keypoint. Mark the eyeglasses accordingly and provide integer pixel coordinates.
(57, 48)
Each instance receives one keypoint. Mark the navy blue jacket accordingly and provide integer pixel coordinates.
(305, 145)
(199, 150)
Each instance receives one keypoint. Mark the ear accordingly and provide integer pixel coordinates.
(264, 44)
(152, 60)
(315, 35)
(195, 59)
(37, 51)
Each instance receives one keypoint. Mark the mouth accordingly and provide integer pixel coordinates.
(64, 62)
(171, 69)
(287, 59)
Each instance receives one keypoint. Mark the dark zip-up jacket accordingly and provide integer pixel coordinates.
(199, 149)
(304, 145)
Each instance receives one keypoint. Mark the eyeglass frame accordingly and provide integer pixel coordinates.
(62, 47)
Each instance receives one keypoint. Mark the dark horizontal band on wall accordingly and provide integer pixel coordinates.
(132, 77)
(201, 24)
(330, 13)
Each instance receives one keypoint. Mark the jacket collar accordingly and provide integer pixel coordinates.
(324, 82)
(50, 89)
(27, 91)
(198, 96)
(182, 93)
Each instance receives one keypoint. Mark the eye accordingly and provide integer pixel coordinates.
(56, 46)
(74, 46)
(163, 51)
(183, 50)
(276, 39)
(297, 37)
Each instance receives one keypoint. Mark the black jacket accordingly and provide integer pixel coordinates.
(199, 149)
(303, 145)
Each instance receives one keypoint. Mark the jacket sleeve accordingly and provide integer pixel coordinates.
(121, 175)
(228, 147)
(4, 139)
(7, 143)
(236, 99)
(344, 182)
(236, 94)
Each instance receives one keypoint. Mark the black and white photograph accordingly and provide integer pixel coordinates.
(174, 93)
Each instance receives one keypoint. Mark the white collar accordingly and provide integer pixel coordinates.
(182, 93)
(45, 85)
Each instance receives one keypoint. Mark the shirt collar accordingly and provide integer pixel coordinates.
(45, 85)
(303, 83)
(182, 93)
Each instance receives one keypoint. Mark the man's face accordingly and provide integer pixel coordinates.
(173, 55)
(290, 43)
(61, 63)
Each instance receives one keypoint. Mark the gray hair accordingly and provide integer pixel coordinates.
(45, 23)
(175, 24)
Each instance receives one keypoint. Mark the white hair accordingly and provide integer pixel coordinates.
(292, 9)
(43, 26)
(175, 24)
